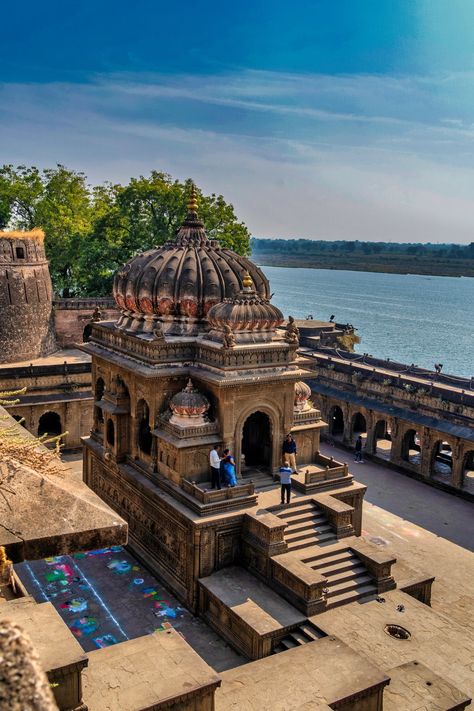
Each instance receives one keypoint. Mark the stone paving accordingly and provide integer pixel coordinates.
(106, 597)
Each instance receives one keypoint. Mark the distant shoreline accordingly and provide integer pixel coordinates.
(336, 265)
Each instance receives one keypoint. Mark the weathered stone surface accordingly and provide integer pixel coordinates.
(323, 672)
(413, 686)
(436, 641)
(47, 514)
(153, 672)
(60, 654)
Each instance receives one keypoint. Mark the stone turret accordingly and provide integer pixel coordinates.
(26, 328)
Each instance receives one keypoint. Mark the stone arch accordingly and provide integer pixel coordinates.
(276, 435)
(441, 461)
(359, 427)
(144, 436)
(411, 447)
(50, 424)
(336, 422)
(382, 440)
(467, 482)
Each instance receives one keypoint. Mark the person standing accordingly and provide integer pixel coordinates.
(358, 450)
(289, 452)
(229, 468)
(285, 481)
(215, 462)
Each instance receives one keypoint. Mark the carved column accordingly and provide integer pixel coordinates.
(458, 455)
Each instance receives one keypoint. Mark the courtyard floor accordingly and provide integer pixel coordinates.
(106, 597)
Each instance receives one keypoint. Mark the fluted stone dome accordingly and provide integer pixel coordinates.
(181, 280)
(250, 316)
(189, 407)
(302, 395)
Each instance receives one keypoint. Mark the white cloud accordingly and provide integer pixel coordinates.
(362, 157)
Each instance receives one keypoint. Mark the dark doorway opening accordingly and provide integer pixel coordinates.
(87, 332)
(257, 441)
(336, 422)
(50, 424)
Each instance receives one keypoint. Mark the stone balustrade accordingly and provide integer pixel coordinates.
(378, 564)
(298, 583)
(209, 496)
(338, 513)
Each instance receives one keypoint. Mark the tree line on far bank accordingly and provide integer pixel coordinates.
(91, 231)
(401, 258)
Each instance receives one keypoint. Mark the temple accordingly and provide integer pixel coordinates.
(318, 615)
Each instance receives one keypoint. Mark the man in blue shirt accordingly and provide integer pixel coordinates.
(285, 481)
(289, 452)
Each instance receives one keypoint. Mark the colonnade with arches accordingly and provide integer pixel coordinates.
(423, 450)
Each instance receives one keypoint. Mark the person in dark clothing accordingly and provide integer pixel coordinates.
(289, 452)
(358, 450)
(285, 481)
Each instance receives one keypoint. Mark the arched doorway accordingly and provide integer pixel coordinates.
(359, 427)
(49, 424)
(468, 472)
(442, 462)
(144, 428)
(257, 442)
(382, 440)
(110, 433)
(336, 422)
(411, 447)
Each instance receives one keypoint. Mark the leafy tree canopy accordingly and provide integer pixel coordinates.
(92, 231)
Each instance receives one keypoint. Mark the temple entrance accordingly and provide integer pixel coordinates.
(257, 442)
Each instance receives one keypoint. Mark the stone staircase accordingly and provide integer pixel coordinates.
(307, 526)
(347, 577)
(306, 632)
(261, 479)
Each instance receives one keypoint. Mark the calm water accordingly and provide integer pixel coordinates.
(412, 319)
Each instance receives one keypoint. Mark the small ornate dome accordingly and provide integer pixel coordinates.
(302, 395)
(189, 403)
(183, 278)
(247, 313)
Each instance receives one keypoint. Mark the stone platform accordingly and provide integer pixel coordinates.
(159, 671)
(246, 612)
(60, 654)
(413, 686)
(322, 674)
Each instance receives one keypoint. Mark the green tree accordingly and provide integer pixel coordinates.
(91, 232)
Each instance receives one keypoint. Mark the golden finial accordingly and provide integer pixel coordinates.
(247, 281)
(193, 201)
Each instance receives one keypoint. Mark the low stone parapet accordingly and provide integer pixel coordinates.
(419, 588)
(338, 513)
(208, 496)
(321, 474)
(298, 583)
(262, 538)
(378, 564)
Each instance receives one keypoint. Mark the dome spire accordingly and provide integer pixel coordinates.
(193, 201)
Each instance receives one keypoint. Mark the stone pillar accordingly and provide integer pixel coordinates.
(396, 450)
(426, 453)
(370, 423)
(458, 454)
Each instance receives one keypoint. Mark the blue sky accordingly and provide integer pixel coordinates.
(331, 119)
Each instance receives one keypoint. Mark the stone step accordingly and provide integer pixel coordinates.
(341, 566)
(341, 577)
(297, 509)
(289, 643)
(359, 581)
(299, 637)
(313, 515)
(311, 631)
(351, 596)
(296, 526)
(310, 542)
(308, 532)
(328, 556)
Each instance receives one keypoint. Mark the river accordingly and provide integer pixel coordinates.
(409, 318)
